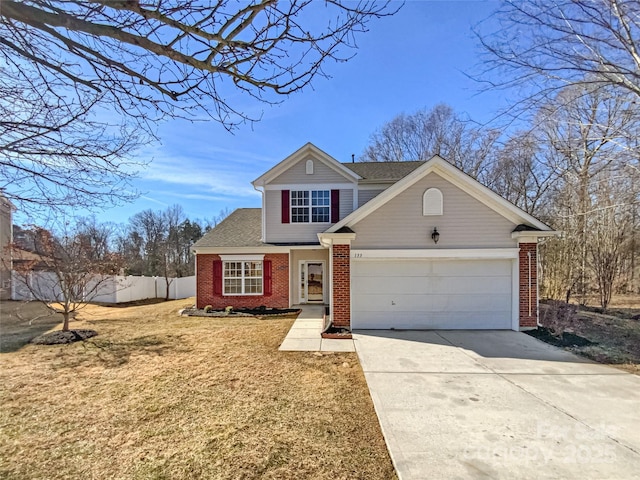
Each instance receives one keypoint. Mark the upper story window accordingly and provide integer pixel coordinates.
(310, 206)
(432, 202)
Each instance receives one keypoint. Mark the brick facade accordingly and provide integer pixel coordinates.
(341, 310)
(528, 286)
(279, 297)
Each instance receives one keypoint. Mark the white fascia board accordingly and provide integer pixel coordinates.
(242, 250)
(309, 149)
(310, 186)
(533, 235)
(247, 257)
(329, 239)
(444, 253)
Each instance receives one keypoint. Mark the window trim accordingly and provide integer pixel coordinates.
(309, 207)
(243, 259)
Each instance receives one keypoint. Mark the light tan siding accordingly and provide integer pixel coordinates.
(465, 223)
(346, 203)
(365, 195)
(297, 175)
(279, 232)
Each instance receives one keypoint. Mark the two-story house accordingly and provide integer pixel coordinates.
(416, 245)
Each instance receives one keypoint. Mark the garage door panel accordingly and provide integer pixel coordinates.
(432, 294)
(426, 285)
(393, 268)
(417, 268)
(431, 303)
(393, 303)
(410, 320)
(473, 268)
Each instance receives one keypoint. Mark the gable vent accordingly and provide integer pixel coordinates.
(432, 202)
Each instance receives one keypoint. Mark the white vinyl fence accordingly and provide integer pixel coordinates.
(114, 289)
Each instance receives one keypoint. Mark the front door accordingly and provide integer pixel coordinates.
(311, 282)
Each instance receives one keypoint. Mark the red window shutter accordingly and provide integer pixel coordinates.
(217, 277)
(335, 206)
(266, 277)
(285, 206)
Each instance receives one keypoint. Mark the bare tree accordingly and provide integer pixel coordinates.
(541, 46)
(165, 57)
(425, 133)
(209, 223)
(158, 243)
(520, 174)
(587, 131)
(54, 153)
(66, 272)
(67, 63)
(611, 229)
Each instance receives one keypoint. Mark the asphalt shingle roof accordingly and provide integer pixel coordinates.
(243, 228)
(383, 170)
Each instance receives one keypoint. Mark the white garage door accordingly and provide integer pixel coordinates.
(431, 294)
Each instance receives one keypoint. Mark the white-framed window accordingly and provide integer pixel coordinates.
(310, 206)
(242, 277)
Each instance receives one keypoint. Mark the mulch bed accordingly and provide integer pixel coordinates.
(259, 313)
(567, 339)
(337, 333)
(59, 337)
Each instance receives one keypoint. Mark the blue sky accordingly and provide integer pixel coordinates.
(415, 59)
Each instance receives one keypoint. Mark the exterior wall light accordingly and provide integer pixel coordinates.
(435, 236)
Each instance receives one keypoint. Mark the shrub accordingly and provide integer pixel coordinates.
(208, 309)
(558, 317)
(228, 309)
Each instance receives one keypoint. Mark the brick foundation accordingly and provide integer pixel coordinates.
(279, 297)
(341, 308)
(528, 291)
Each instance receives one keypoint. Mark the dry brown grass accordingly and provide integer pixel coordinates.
(161, 396)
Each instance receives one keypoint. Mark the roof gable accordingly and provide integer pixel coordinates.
(458, 178)
(308, 150)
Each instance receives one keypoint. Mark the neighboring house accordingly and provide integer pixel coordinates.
(6, 239)
(413, 245)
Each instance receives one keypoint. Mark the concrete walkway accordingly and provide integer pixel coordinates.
(304, 335)
(500, 405)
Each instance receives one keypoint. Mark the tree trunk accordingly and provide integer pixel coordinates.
(65, 323)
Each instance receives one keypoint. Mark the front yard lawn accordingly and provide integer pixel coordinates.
(156, 395)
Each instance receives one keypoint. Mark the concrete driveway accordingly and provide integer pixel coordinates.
(499, 404)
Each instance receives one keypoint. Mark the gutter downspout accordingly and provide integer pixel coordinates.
(329, 320)
(529, 262)
(262, 214)
(541, 241)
